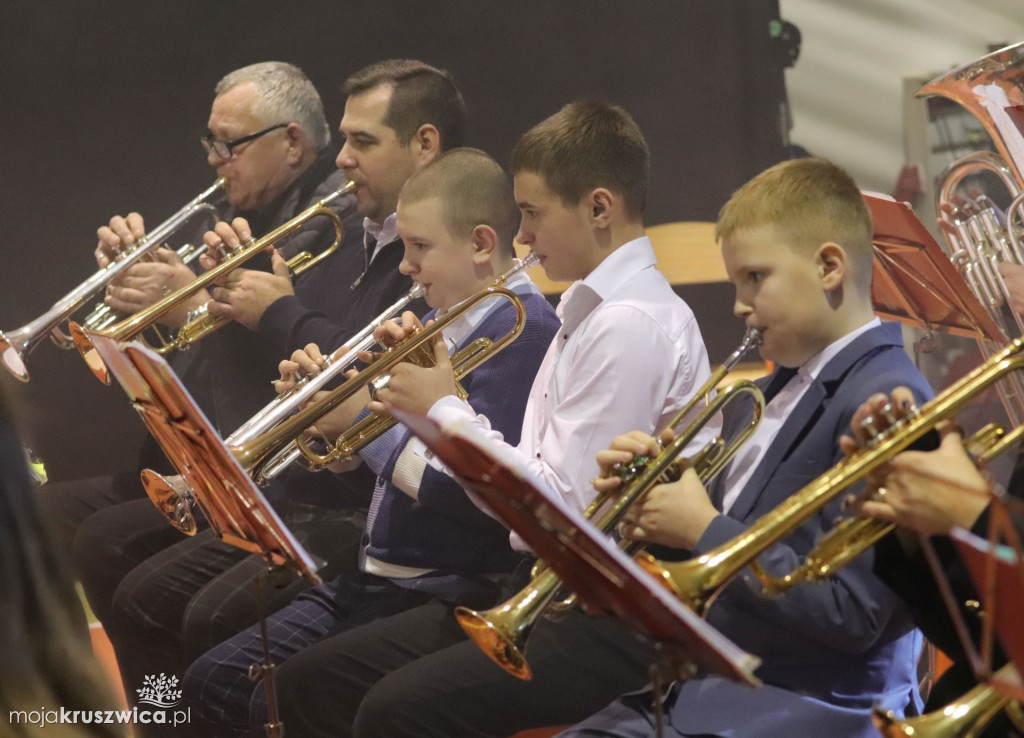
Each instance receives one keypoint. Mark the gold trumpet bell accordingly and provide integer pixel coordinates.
(92, 357)
(496, 633)
(173, 498)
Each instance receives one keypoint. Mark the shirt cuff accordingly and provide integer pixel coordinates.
(449, 409)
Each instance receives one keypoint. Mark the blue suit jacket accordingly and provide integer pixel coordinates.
(829, 651)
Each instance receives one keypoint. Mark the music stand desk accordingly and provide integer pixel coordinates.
(605, 579)
(236, 509)
(1003, 600)
(915, 282)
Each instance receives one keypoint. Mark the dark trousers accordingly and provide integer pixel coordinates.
(64, 506)
(165, 598)
(217, 685)
(416, 675)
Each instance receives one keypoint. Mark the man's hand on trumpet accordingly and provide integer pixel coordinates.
(243, 295)
(144, 283)
(115, 237)
(930, 492)
(674, 514)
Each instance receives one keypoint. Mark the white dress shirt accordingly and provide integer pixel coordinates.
(628, 356)
(775, 413)
(385, 232)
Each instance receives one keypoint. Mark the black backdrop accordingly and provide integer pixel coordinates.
(103, 103)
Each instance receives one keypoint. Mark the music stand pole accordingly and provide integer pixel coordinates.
(275, 576)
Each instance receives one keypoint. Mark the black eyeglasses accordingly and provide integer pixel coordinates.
(223, 149)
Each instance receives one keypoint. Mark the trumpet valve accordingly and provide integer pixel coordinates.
(630, 470)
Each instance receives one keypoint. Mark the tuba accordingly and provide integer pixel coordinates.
(502, 632)
(979, 236)
(202, 323)
(17, 344)
(696, 581)
(272, 439)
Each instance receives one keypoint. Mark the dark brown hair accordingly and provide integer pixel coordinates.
(586, 145)
(421, 95)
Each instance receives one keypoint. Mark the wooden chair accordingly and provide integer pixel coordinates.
(687, 254)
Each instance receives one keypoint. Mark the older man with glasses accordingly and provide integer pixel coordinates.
(268, 138)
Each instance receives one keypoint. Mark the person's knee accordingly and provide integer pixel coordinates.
(301, 680)
(218, 690)
(391, 710)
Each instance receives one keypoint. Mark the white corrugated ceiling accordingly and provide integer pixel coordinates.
(846, 90)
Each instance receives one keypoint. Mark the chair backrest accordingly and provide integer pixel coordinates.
(687, 254)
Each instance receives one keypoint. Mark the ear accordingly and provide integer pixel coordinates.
(485, 244)
(601, 203)
(297, 142)
(832, 264)
(426, 143)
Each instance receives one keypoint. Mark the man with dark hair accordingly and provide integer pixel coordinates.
(420, 94)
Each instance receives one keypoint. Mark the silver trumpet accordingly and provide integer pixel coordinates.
(172, 495)
(15, 345)
(175, 499)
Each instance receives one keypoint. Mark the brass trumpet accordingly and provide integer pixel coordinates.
(203, 323)
(172, 495)
(696, 580)
(503, 631)
(268, 442)
(963, 718)
(17, 344)
(854, 535)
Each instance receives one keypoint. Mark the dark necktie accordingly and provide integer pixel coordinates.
(778, 380)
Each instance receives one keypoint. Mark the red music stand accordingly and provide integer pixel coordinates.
(236, 509)
(915, 282)
(606, 580)
(996, 566)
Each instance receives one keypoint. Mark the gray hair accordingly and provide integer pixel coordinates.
(284, 94)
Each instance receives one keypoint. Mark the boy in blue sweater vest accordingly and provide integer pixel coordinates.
(426, 544)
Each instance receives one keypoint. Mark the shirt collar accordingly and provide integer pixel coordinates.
(813, 366)
(621, 265)
(384, 233)
(460, 328)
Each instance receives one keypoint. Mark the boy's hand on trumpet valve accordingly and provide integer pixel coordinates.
(414, 388)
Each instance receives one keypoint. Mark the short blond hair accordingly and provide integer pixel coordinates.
(810, 201)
